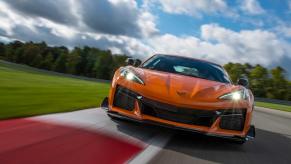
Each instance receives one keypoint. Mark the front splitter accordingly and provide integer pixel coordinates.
(250, 135)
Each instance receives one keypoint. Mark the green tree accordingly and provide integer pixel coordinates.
(83, 61)
(36, 62)
(237, 70)
(2, 50)
(103, 66)
(289, 91)
(30, 52)
(279, 83)
(60, 64)
(47, 62)
(259, 81)
(73, 61)
(92, 57)
(11, 48)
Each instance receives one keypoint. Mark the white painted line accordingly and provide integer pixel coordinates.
(156, 144)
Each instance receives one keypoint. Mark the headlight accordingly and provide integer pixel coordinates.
(236, 95)
(130, 76)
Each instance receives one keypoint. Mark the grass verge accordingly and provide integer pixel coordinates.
(274, 106)
(25, 91)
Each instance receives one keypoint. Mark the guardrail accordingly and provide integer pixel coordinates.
(274, 101)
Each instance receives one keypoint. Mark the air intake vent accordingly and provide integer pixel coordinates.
(124, 98)
(233, 120)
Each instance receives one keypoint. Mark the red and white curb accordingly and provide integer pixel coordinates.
(87, 136)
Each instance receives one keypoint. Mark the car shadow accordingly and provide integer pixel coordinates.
(267, 147)
(189, 147)
(142, 132)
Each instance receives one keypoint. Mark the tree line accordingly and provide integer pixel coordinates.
(86, 61)
(101, 64)
(263, 82)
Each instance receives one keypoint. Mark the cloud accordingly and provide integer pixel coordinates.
(117, 44)
(261, 46)
(4, 39)
(116, 17)
(252, 7)
(284, 30)
(147, 24)
(222, 45)
(194, 8)
(57, 10)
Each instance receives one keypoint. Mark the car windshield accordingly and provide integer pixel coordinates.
(187, 67)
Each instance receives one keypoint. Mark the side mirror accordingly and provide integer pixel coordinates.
(133, 62)
(129, 61)
(137, 62)
(243, 82)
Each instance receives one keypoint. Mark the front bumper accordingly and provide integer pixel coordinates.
(249, 135)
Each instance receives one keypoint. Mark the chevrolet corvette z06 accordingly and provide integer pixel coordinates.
(182, 93)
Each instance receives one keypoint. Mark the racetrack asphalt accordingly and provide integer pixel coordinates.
(142, 142)
(271, 145)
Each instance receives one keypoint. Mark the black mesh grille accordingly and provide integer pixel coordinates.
(124, 98)
(177, 114)
(233, 119)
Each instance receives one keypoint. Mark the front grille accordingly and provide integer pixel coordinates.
(177, 114)
(124, 98)
(233, 119)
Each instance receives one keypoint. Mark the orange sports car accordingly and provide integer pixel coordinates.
(182, 93)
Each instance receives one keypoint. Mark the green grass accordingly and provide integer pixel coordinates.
(25, 91)
(274, 106)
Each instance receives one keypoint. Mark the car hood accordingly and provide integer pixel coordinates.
(179, 88)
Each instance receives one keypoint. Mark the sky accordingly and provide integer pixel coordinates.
(221, 31)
